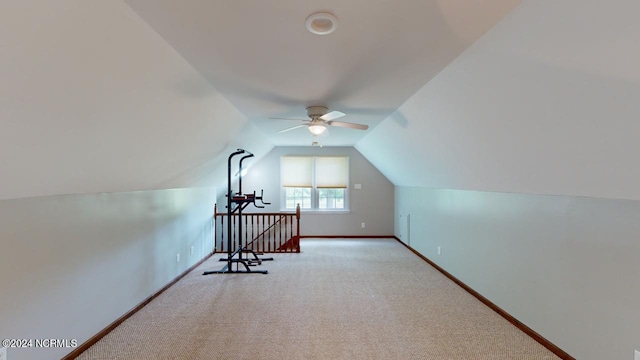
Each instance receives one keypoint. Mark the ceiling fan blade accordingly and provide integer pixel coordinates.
(348, 125)
(291, 128)
(279, 118)
(332, 115)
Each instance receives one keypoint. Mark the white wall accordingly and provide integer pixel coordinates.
(100, 122)
(537, 120)
(373, 204)
(567, 267)
(93, 100)
(544, 103)
(73, 264)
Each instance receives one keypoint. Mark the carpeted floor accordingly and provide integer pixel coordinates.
(338, 299)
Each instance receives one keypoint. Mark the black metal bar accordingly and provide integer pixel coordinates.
(240, 205)
(229, 195)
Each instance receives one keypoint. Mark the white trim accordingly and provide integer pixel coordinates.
(315, 198)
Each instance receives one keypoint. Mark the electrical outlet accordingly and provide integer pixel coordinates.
(178, 257)
(363, 225)
(637, 356)
(439, 251)
(191, 250)
(3, 353)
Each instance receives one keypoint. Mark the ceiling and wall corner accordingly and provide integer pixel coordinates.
(544, 103)
(111, 96)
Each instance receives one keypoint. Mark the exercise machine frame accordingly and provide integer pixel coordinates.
(238, 202)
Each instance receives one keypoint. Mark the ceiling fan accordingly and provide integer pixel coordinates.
(320, 118)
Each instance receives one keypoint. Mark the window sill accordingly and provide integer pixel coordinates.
(318, 212)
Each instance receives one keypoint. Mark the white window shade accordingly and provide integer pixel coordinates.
(332, 172)
(296, 171)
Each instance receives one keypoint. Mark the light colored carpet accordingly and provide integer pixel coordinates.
(337, 299)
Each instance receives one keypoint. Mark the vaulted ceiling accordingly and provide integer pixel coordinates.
(260, 56)
(532, 97)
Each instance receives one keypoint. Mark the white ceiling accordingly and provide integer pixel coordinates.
(261, 58)
(544, 102)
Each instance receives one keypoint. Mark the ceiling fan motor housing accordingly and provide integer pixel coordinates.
(316, 111)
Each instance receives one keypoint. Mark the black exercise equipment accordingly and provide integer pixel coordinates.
(238, 202)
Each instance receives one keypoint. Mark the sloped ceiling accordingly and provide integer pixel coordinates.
(545, 103)
(93, 100)
(96, 98)
(261, 58)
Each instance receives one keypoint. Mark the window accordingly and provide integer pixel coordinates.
(331, 198)
(316, 183)
(297, 195)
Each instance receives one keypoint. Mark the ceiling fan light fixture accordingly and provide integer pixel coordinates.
(321, 23)
(317, 129)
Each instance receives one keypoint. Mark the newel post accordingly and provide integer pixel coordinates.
(215, 229)
(297, 243)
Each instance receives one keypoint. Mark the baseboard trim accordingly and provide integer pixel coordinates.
(94, 339)
(347, 236)
(527, 330)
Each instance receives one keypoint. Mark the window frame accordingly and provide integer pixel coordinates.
(315, 191)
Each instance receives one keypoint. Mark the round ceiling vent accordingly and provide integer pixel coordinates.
(321, 23)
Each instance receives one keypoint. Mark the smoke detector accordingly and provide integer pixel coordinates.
(321, 23)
